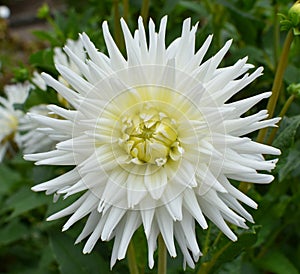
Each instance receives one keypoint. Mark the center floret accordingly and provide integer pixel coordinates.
(150, 136)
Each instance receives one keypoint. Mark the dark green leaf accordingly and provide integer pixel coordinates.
(290, 163)
(276, 262)
(71, 259)
(286, 136)
(24, 200)
(9, 178)
(11, 232)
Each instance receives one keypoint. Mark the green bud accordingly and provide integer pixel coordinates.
(43, 12)
(20, 74)
(294, 17)
(294, 89)
(294, 13)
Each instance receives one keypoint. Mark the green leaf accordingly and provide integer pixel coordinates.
(277, 263)
(13, 231)
(229, 250)
(43, 60)
(9, 179)
(71, 259)
(290, 163)
(24, 200)
(292, 74)
(287, 133)
(285, 142)
(46, 36)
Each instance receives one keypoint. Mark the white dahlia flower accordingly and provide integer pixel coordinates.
(10, 116)
(38, 81)
(154, 141)
(33, 138)
(61, 58)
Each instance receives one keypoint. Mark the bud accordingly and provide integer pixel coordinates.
(20, 74)
(294, 14)
(43, 12)
(292, 20)
(294, 89)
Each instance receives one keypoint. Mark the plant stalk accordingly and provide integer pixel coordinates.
(145, 10)
(117, 26)
(277, 82)
(132, 264)
(206, 267)
(162, 256)
(281, 114)
(126, 10)
(244, 186)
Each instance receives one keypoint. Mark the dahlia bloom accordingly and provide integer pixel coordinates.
(10, 116)
(32, 137)
(38, 81)
(154, 141)
(61, 58)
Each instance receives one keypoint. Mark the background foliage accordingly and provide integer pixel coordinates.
(29, 244)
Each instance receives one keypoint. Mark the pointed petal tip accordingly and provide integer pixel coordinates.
(64, 228)
(104, 25)
(233, 237)
(37, 188)
(204, 226)
(77, 242)
(50, 218)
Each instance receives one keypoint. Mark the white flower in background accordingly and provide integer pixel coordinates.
(4, 12)
(10, 116)
(39, 81)
(34, 139)
(61, 58)
(154, 141)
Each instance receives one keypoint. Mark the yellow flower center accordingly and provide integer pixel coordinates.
(150, 136)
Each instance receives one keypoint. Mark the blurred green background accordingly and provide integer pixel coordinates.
(29, 244)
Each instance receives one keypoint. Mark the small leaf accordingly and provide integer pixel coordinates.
(14, 231)
(277, 263)
(44, 60)
(24, 200)
(232, 250)
(287, 133)
(9, 179)
(71, 259)
(290, 163)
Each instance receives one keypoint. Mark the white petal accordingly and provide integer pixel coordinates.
(165, 224)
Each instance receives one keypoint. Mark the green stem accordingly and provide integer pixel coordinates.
(207, 240)
(244, 186)
(117, 26)
(277, 82)
(126, 10)
(276, 34)
(162, 256)
(132, 264)
(271, 239)
(145, 10)
(217, 238)
(281, 114)
(207, 266)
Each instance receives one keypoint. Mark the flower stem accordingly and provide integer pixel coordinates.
(206, 267)
(162, 256)
(277, 82)
(276, 34)
(207, 240)
(281, 114)
(145, 10)
(126, 9)
(132, 264)
(244, 186)
(117, 26)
